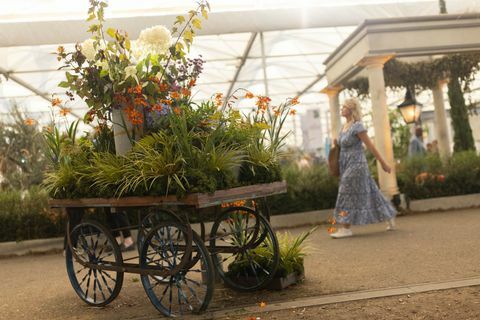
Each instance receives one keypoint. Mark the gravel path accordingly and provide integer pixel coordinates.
(426, 248)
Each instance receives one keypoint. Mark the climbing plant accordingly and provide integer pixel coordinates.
(424, 75)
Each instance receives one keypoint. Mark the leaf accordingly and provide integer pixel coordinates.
(93, 28)
(180, 19)
(188, 36)
(64, 84)
(127, 44)
(204, 13)
(111, 32)
(197, 23)
(91, 17)
(103, 73)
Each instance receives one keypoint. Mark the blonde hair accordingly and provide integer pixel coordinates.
(354, 106)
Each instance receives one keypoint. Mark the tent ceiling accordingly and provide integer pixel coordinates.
(298, 36)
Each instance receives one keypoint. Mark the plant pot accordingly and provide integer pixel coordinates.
(124, 132)
(280, 283)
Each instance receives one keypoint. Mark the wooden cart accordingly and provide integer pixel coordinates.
(177, 265)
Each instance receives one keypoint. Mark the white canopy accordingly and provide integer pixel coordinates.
(297, 37)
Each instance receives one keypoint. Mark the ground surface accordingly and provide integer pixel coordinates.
(426, 248)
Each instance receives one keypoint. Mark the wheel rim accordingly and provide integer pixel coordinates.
(155, 217)
(244, 249)
(92, 243)
(187, 290)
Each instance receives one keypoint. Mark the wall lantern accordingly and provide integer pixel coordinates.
(410, 108)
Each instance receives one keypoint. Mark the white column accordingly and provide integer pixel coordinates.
(381, 123)
(441, 128)
(332, 92)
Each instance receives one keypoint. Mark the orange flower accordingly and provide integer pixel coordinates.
(60, 50)
(140, 102)
(48, 129)
(177, 110)
(331, 230)
(157, 107)
(343, 214)
(192, 83)
(239, 203)
(166, 101)
(138, 89)
(263, 304)
(133, 115)
(218, 99)
(163, 87)
(174, 95)
(262, 102)
(295, 101)
(30, 122)
(249, 95)
(64, 111)
(276, 112)
(185, 92)
(56, 102)
(293, 112)
(440, 178)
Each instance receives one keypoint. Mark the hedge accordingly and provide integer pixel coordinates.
(25, 215)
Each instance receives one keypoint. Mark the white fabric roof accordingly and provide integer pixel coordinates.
(298, 36)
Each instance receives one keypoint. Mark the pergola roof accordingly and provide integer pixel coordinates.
(297, 36)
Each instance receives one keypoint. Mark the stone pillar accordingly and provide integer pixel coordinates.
(332, 92)
(381, 123)
(441, 128)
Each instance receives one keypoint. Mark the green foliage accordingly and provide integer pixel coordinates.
(24, 216)
(400, 134)
(292, 251)
(308, 189)
(428, 177)
(22, 159)
(462, 132)
(423, 75)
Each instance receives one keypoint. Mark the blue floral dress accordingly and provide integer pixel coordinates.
(359, 200)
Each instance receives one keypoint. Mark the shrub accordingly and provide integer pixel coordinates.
(428, 177)
(25, 216)
(308, 189)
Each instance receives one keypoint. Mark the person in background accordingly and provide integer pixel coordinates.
(416, 147)
(118, 219)
(359, 200)
(435, 146)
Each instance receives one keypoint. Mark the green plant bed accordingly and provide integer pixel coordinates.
(292, 251)
(427, 177)
(25, 216)
(308, 189)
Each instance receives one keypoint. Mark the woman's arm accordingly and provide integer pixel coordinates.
(365, 139)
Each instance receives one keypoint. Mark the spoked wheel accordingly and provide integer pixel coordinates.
(93, 244)
(244, 249)
(183, 277)
(156, 216)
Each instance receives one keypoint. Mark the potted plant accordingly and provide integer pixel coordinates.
(290, 269)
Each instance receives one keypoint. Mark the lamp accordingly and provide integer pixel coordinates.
(410, 108)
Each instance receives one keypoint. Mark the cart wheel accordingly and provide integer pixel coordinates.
(155, 217)
(184, 279)
(93, 243)
(244, 249)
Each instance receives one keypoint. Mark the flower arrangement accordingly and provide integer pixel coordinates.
(162, 141)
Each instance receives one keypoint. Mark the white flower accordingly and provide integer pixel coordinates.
(131, 71)
(88, 49)
(102, 64)
(154, 40)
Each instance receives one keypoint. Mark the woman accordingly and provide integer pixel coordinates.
(359, 200)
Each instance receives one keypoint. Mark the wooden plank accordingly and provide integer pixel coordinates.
(199, 200)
